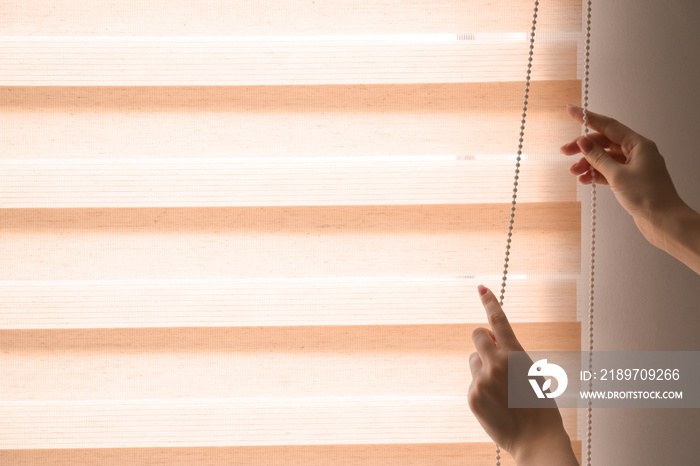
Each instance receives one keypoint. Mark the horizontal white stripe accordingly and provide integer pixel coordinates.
(204, 61)
(325, 160)
(419, 38)
(167, 423)
(277, 182)
(274, 302)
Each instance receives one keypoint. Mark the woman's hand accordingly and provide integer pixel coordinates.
(530, 435)
(633, 168)
(636, 172)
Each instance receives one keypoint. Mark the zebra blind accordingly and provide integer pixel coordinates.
(250, 232)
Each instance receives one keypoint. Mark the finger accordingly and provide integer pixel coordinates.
(571, 148)
(497, 319)
(483, 343)
(587, 178)
(599, 158)
(611, 128)
(614, 151)
(582, 166)
(493, 337)
(475, 364)
(601, 140)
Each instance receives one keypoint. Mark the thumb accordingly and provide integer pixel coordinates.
(598, 158)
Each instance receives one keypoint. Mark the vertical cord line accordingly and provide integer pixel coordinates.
(591, 289)
(517, 171)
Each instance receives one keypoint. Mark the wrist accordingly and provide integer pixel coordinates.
(678, 233)
(663, 222)
(553, 448)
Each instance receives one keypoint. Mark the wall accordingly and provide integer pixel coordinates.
(645, 71)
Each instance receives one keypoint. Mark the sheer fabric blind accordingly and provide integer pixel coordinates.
(250, 232)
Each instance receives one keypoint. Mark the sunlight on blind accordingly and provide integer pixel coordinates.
(240, 232)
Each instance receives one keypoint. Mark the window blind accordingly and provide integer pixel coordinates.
(240, 232)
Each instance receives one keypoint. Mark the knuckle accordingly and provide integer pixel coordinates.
(648, 145)
(478, 332)
(498, 319)
(598, 153)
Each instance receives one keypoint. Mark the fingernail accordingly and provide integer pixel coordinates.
(585, 144)
(573, 106)
(482, 290)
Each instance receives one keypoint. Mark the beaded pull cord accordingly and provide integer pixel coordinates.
(591, 285)
(517, 171)
(593, 205)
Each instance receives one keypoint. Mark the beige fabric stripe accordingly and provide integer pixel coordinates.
(290, 242)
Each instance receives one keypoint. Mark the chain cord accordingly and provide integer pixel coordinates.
(589, 410)
(517, 171)
(593, 208)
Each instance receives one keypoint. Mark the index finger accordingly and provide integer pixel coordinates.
(499, 322)
(611, 128)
